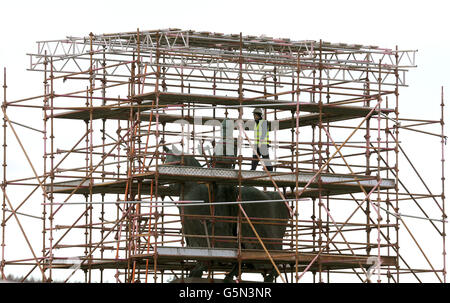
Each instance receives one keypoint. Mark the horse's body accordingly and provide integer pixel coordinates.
(219, 229)
(195, 219)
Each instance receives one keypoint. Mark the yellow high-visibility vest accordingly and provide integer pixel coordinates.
(258, 133)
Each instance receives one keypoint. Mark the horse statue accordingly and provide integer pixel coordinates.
(200, 231)
(222, 228)
(271, 216)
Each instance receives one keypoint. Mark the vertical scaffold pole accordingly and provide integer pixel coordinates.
(132, 127)
(388, 194)
(140, 168)
(2, 264)
(327, 156)
(297, 190)
(367, 138)
(240, 139)
(91, 148)
(86, 196)
(45, 119)
(396, 210)
(158, 71)
(52, 167)
(103, 131)
(119, 156)
(379, 179)
(444, 216)
(319, 177)
(313, 146)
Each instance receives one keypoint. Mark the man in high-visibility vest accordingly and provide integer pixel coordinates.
(261, 139)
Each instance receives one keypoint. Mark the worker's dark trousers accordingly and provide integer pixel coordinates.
(264, 154)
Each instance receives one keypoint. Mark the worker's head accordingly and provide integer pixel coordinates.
(257, 113)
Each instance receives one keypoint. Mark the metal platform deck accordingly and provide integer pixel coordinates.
(177, 258)
(261, 178)
(330, 112)
(179, 98)
(124, 114)
(332, 184)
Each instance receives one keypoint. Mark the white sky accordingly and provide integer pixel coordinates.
(421, 25)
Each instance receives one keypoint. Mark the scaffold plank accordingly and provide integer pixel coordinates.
(178, 98)
(118, 187)
(260, 178)
(332, 184)
(170, 258)
(124, 114)
(261, 256)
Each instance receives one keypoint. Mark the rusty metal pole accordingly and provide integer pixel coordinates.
(157, 93)
(327, 154)
(319, 181)
(379, 178)
(297, 190)
(388, 192)
(133, 127)
(164, 89)
(444, 216)
(45, 157)
(240, 139)
(52, 168)
(367, 137)
(316, 224)
(86, 196)
(314, 211)
(140, 169)
(2, 264)
(91, 148)
(103, 138)
(118, 177)
(396, 209)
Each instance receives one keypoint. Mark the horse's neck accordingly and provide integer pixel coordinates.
(188, 185)
(187, 161)
(190, 161)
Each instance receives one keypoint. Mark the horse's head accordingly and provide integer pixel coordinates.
(175, 157)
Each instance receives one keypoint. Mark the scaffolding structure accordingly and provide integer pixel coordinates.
(112, 102)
